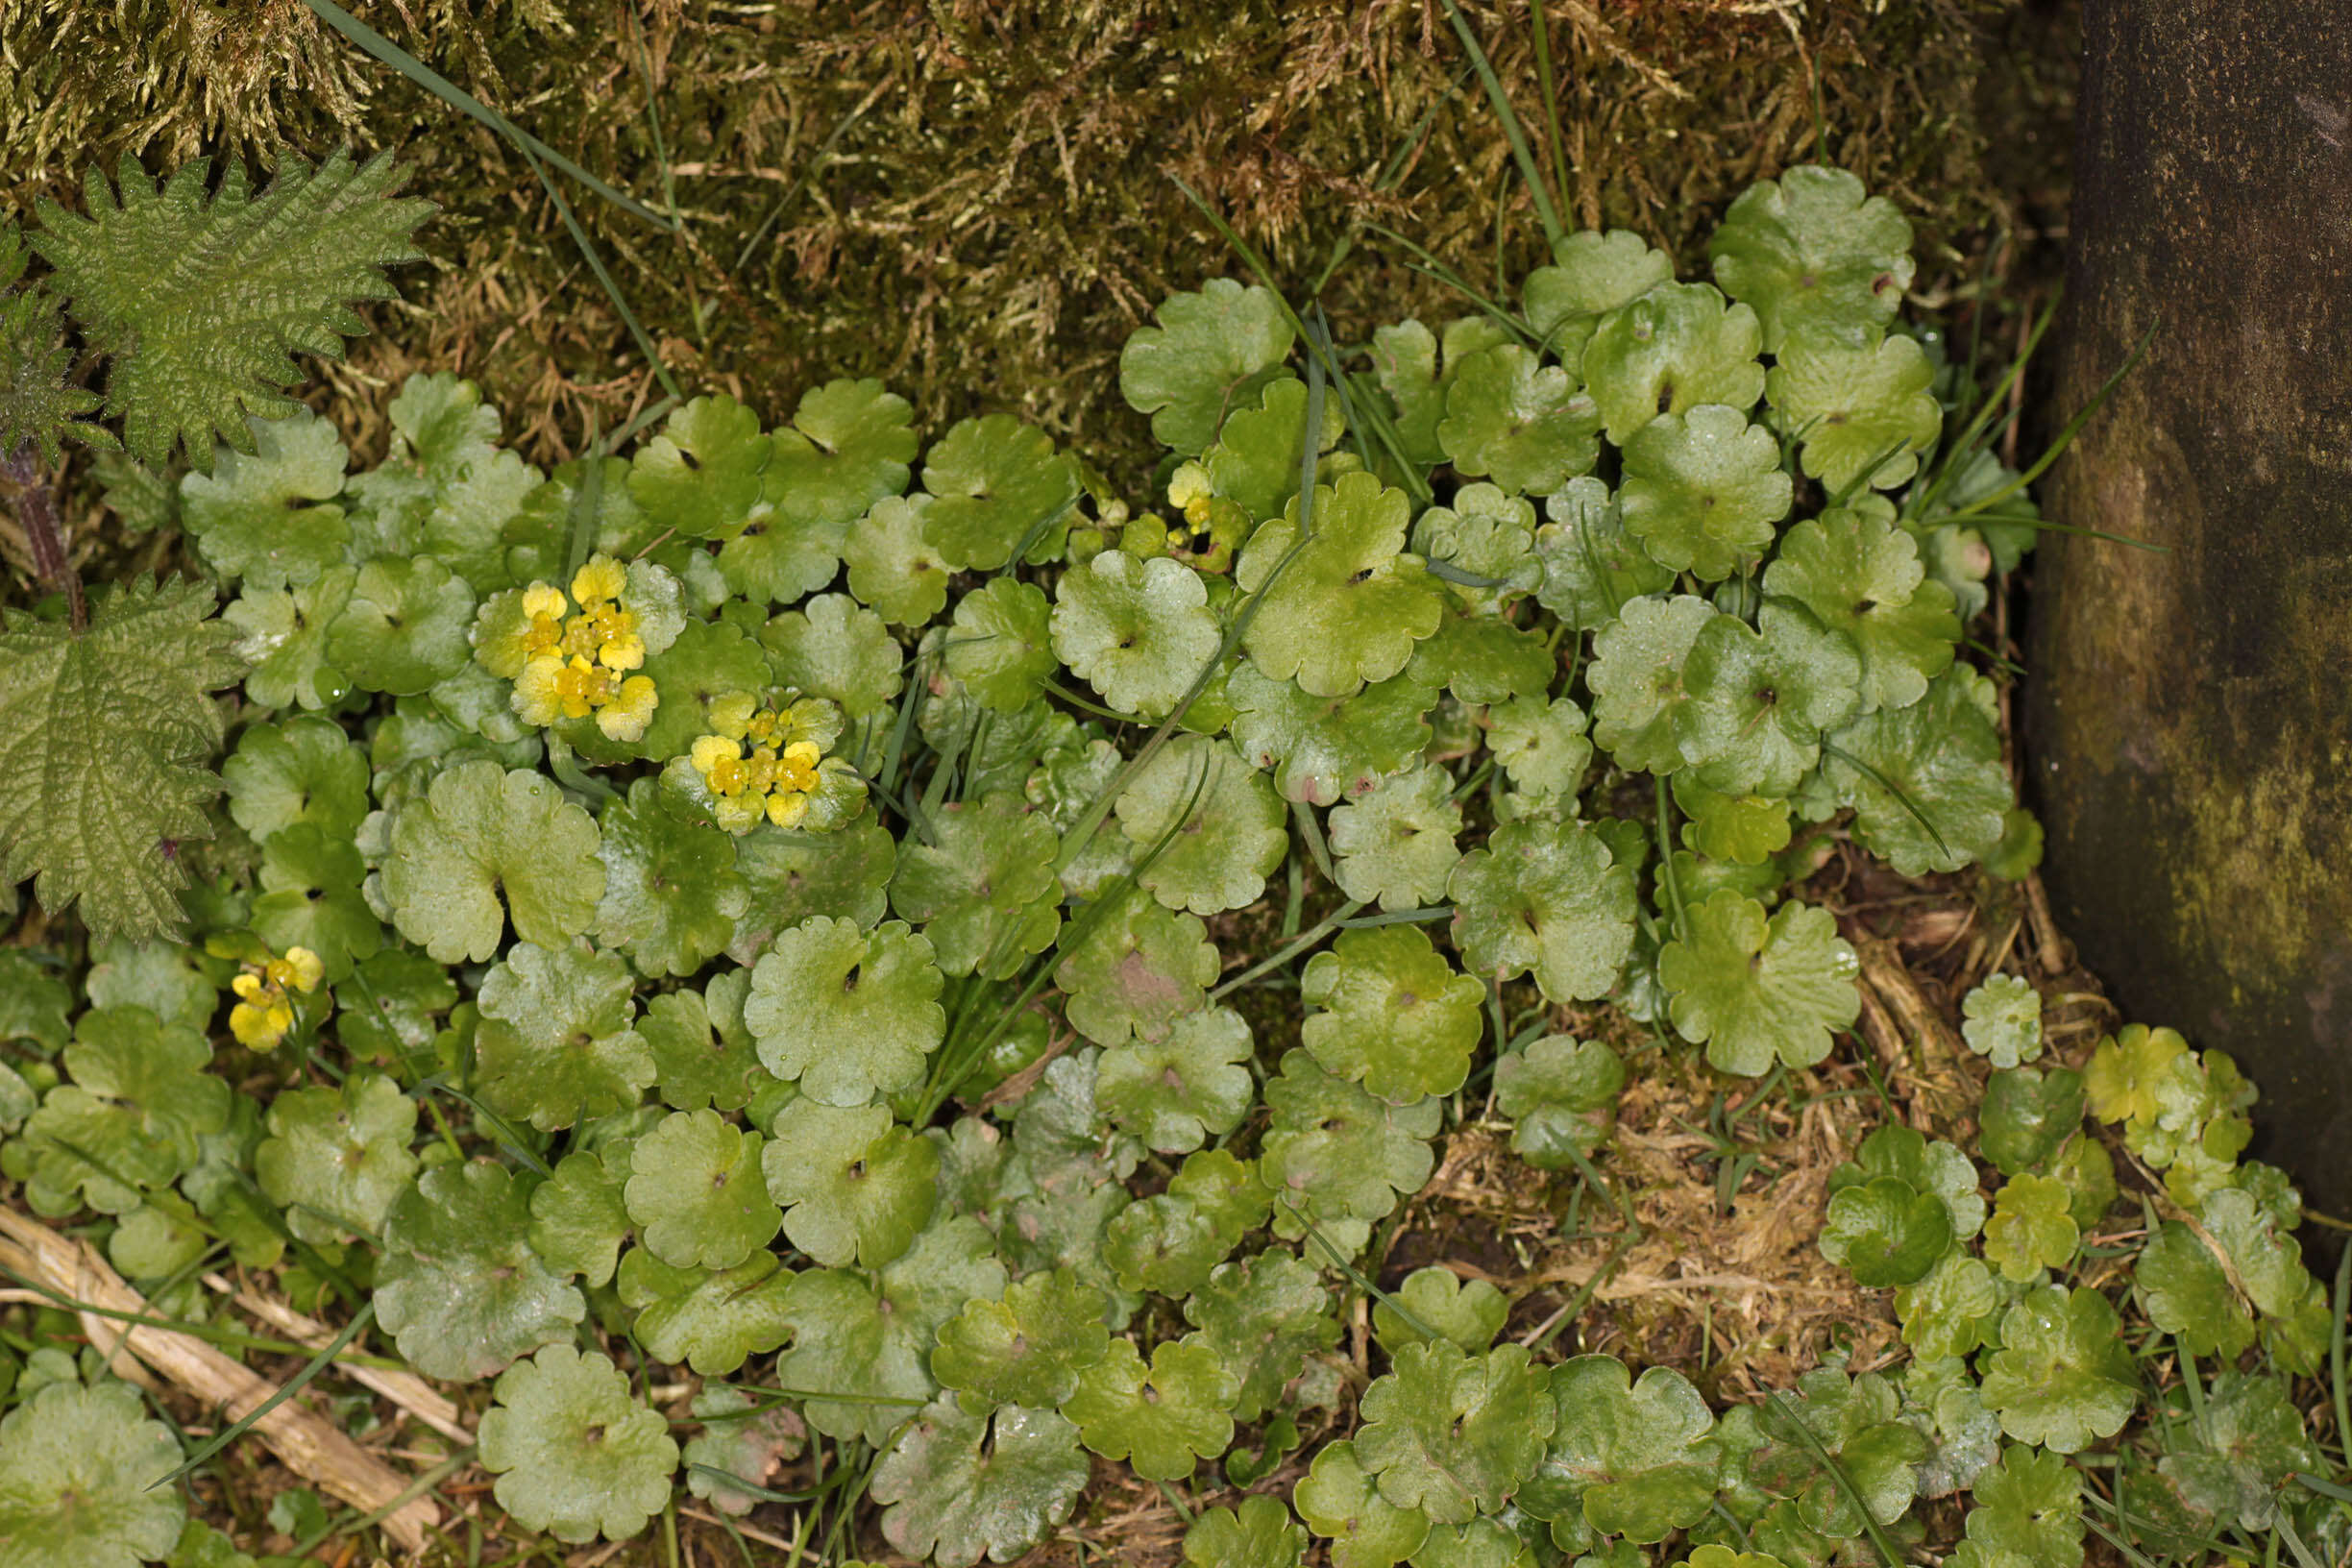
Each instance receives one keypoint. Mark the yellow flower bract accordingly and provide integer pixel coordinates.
(264, 1012)
(576, 663)
(761, 783)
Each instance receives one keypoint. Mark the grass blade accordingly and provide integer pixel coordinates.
(465, 103)
(294, 1386)
(1831, 748)
(2066, 436)
(1512, 131)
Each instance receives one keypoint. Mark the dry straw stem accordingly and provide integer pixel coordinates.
(310, 1445)
(974, 200)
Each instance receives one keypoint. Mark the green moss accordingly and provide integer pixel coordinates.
(995, 212)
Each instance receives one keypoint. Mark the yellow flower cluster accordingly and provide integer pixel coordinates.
(264, 1012)
(576, 665)
(749, 773)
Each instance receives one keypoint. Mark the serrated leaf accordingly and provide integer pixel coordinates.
(1591, 274)
(270, 517)
(1753, 989)
(1525, 423)
(337, 1160)
(1337, 1156)
(1267, 1316)
(844, 1013)
(1395, 844)
(1564, 1095)
(1547, 897)
(1468, 1313)
(695, 1192)
(1208, 356)
(1884, 1232)
(1942, 753)
(1026, 1348)
(1591, 566)
(575, 1452)
(203, 303)
(38, 408)
(79, 1472)
(1349, 605)
(712, 1320)
(1815, 258)
(1861, 577)
(995, 481)
(1140, 969)
(1387, 1010)
(1324, 749)
(1637, 680)
(112, 727)
(1341, 1503)
(1175, 1092)
(959, 1484)
(1703, 491)
(134, 1117)
(1139, 631)
(458, 1286)
(1636, 1457)
(1222, 826)
(1678, 346)
(1865, 412)
(672, 896)
(859, 1188)
(2064, 1376)
(1161, 1417)
(1453, 1435)
(557, 1043)
(1759, 699)
(483, 842)
(2185, 1292)
(2031, 1228)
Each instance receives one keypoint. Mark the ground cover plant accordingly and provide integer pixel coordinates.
(894, 990)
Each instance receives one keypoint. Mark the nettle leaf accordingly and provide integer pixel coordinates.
(1753, 989)
(1862, 413)
(1405, 361)
(1337, 1156)
(111, 730)
(1267, 1316)
(994, 481)
(270, 517)
(1948, 1311)
(1861, 576)
(578, 1219)
(1468, 1313)
(40, 409)
(1259, 1534)
(2031, 1228)
(1139, 631)
(1163, 1417)
(1453, 1435)
(337, 1160)
(2002, 1020)
(1944, 754)
(1703, 491)
(1635, 1457)
(1637, 683)
(1853, 1424)
(983, 889)
(1026, 1348)
(859, 1188)
(672, 896)
(1396, 843)
(1177, 1092)
(1002, 648)
(862, 1336)
(1224, 827)
(483, 843)
(1591, 566)
(2064, 1375)
(1138, 971)
(1564, 1095)
(695, 1192)
(1527, 424)
(1349, 604)
(1760, 698)
(458, 1286)
(202, 304)
(1342, 1504)
(575, 1452)
(846, 1014)
(1391, 1013)
(1540, 743)
(1591, 274)
(1328, 749)
(1675, 348)
(2185, 1291)
(1547, 897)
(1210, 355)
(133, 1118)
(1884, 1232)
(712, 1320)
(960, 1483)
(80, 1479)
(557, 1043)
(1818, 262)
